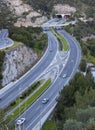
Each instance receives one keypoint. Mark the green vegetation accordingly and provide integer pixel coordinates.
(25, 14)
(89, 46)
(49, 125)
(80, 31)
(31, 37)
(16, 44)
(6, 16)
(73, 125)
(29, 101)
(62, 40)
(76, 104)
(90, 58)
(2, 55)
(83, 66)
(23, 96)
(46, 7)
(2, 123)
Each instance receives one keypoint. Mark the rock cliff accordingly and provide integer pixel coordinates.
(25, 14)
(17, 62)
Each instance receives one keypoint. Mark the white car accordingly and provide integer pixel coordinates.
(64, 76)
(20, 121)
(45, 100)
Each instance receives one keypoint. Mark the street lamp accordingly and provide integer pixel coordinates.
(6, 127)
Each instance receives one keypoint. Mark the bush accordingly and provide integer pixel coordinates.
(73, 125)
(31, 37)
(83, 66)
(13, 103)
(84, 115)
(2, 55)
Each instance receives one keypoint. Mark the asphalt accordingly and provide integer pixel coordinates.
(33, 75)
(37, 110)
(4, 40)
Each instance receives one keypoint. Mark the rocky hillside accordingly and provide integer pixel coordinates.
(35, 12)
(6, 16)
(21, 57)
(25, 14)
(83, 7)
(17, 62)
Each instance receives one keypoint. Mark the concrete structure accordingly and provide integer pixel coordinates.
(93, 72)
(92, 69)
(63, 16)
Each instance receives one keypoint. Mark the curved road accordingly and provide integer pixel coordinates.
(36, 111)
(4, 40)
(33, 75)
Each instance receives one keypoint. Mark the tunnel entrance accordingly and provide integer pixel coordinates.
(67, 16)
(59, 16)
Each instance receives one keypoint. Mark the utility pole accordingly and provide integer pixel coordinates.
(6, 127)
(19, 127)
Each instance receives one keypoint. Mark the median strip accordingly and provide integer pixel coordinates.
(62, 40)
(29, 101)
(23, 96)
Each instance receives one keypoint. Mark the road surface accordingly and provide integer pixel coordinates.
(36, 111)
(33, 75)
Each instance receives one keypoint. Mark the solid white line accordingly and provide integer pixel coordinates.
(13, 83)
(77, 62)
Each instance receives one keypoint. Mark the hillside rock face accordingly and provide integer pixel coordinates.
(18, 8)
(16, 63)
(64, 9)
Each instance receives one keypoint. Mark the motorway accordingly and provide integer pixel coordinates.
(33, 75)
(37, 110)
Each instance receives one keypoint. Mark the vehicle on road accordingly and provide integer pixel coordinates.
(20, 121)
(64, 76)
(50, 50)
(45, 100)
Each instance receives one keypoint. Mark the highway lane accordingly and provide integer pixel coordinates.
(36, 111)
(61, 21)
(77, 51)
(49, 22)
(27, 80)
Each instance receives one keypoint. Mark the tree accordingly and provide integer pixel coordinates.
(91, 123)
(84, 115)
(83, 65)
(88, 99)
(2, 123)
(2, 55)
(73, 125)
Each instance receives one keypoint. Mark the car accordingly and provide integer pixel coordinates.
(64, 76)
(20, 121)
(51, 50)
(0, 98)
(45, 100)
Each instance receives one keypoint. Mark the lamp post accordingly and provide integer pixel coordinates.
(19, 126)
(6, 127)
(40, 116)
